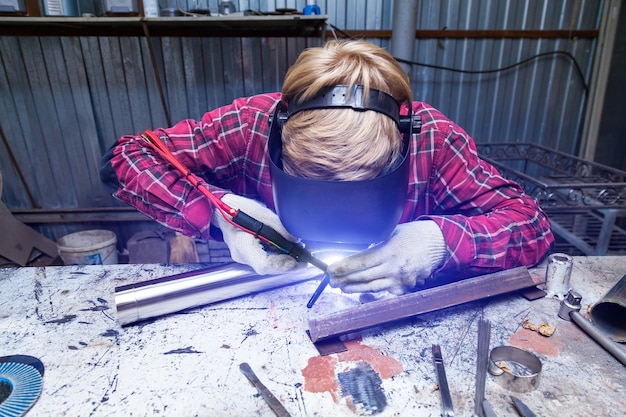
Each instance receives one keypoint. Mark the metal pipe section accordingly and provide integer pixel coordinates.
(613, 348)
(570, 311)
(157, 297)
(403, 31)
(609, 314)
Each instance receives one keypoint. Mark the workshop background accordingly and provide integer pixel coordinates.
(68, 91)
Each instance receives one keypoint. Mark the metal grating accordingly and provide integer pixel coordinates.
(583, 199)
(581, 234)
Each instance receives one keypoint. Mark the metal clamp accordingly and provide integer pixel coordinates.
(522, 371)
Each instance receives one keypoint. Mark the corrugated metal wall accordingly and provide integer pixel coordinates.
(64, 100)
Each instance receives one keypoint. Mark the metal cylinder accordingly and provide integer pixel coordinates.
(613, 348)
(157, 297)
(558, 273)
(403, 33)
(609, 314)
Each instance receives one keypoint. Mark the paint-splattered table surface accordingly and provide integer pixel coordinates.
(187, 364)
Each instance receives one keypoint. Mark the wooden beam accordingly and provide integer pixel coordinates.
(375, 313)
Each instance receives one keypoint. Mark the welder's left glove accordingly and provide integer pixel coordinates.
(412, 253)
(248, 249)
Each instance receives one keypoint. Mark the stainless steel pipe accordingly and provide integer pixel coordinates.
(570, 311)
(160, 296)
(609, 314)
(613, 348)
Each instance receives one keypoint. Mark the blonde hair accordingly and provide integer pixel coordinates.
(342, 144)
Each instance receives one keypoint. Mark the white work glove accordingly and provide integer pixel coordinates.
(247, 249)
(412, 253)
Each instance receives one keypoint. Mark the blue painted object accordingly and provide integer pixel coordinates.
(311, 9)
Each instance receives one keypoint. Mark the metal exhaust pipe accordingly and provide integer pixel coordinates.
(160, 296)
(609, 314)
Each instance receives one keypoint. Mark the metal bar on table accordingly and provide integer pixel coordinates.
(447, 409)
(482, 360)
(379, 312)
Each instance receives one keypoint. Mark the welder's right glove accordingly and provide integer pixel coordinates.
(413, 252)
(244, 247)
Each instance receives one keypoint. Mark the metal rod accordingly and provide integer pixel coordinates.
(319, 290)
(482, 360)
(157, 297)
(613, 348)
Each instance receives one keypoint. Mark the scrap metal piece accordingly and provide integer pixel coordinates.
(524, 379)
(446, 400)
(329, 346)
(522, 408)
(532, 294)
(383, 311)
(482, 361)
(267, 395)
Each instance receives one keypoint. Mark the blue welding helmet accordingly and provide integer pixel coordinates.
(356, 213)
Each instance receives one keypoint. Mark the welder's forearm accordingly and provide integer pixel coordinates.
(504, 239)
(148, 183)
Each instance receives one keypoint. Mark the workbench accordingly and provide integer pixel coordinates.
(187, 363)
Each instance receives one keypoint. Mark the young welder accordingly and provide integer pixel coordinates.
(342, 156)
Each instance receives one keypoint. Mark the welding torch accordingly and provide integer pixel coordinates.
(240, 219)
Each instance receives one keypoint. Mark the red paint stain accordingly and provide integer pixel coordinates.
(533, 341)
(386, 366)
(319, 374)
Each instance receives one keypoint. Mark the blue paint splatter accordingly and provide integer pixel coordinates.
(364, 385)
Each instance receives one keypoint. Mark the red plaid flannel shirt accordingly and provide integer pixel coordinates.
(488, 223)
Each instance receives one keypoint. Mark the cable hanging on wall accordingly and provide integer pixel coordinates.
(565, 54)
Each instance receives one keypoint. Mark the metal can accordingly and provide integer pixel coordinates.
(558, 275)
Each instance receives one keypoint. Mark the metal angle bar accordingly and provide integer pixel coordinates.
(447, 410)
(385, 311)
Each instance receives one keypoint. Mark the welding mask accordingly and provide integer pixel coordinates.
(353, 213)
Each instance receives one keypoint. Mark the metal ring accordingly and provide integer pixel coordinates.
(521, 373)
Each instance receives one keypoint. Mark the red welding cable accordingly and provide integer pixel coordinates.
(157, 144)
(227, 212)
